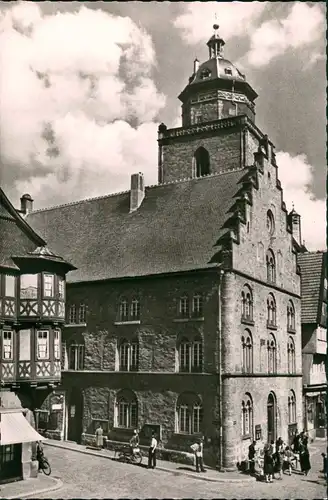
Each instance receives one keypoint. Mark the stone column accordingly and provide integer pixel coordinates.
(229, 411)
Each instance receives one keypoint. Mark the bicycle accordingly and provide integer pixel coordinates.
(125, 455)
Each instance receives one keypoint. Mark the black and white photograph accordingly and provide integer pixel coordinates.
(163, 257)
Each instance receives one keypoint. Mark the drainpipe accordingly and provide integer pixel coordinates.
(221, 273)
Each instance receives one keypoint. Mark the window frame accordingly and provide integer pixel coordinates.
(45, 286)
(271, 266)
(271, 311)
(292, 415)
(291, 356)
(270, 222)
(5, 344)
(57, 344)
(189, 414)
(76, 353)
(128, 351)
(247, 417)
(184, 307)
(72, 314)
(82, 314)
(135, 309)
(272, 354)
(197, 306)
(14, 282)
(61, 288)
(47, 344)
(34, 288)
(247, 305)
(129, 413)
(190, 350)
(123, 310)
(247, 353)
(290, 317)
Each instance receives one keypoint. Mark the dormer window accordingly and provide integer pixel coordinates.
(228, 71)
(205, 74)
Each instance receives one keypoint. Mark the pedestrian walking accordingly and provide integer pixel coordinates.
(134, 442)
(305, 463)
(268, 464)
(99, 437)
(251, 457)
(152, 452)
(198, 450)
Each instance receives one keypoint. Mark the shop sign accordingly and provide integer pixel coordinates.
(57, 406)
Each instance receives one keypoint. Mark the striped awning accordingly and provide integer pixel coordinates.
(14, 428)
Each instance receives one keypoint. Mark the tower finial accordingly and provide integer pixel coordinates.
(293, 206)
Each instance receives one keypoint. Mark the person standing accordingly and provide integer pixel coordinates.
(99, 436)
(304, 459)
(134, 442)
(152, 452)
(288, 457)
(198, 450)
(251, 457)
(268, 464)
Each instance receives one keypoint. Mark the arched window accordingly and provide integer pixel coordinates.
(135, 309)
(291, 408)
(270, 222)
(290, 316)
(271, 311)
(271, 267)
(291, 355)
(247, 304)
(126, 409)
(247, 416)
(201, 162)
(191, 355)
(272, 354)
(184, 308)
(124, 310)
(189, 413)
(129, 355)
(197, 306)
(247, 355)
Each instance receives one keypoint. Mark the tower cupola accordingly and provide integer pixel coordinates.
(216, 88)
(215, 43)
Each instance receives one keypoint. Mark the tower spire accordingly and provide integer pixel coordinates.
(215, 43)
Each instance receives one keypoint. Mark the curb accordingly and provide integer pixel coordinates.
(58, 484)
(176, 472)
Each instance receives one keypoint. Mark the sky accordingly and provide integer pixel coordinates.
(84, 86)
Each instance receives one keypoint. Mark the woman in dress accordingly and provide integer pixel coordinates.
(304, 459)
(99, 437)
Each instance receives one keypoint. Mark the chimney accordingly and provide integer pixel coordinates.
(137, 193)
(196, 65)
(26, 204)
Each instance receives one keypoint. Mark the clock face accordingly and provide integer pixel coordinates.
(270, 222)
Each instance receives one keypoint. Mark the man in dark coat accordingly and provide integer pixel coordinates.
(251, 457)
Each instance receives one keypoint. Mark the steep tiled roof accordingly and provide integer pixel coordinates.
(175, 229)
(311, 265)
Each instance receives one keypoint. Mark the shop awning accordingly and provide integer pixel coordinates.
(15, 429)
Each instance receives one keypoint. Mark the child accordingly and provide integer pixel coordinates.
(288, 457)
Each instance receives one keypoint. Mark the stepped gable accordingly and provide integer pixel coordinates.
(311, 266)
(176, 228)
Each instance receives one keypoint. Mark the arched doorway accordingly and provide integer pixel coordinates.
(272, 417)
(201, 162)
(75, 415)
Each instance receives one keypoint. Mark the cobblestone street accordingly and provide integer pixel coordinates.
(87, 476)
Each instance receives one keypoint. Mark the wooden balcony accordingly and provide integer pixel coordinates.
(30, 372)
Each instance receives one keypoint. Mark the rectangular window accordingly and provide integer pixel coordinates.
(76, 357)
(196, 419)
(48, 285)
(134, 363)
(185, 357)
(72, 314)
(61, 288)
(57, 350)
(42, 344)
(197, 356)
(7, 345)
(123, 414)
(82, 313)
(184, 419)
(124, 356)
(135, 309)
(184, 307)
(29, 286)
(25, 345)
(10, 286)
(197, 306)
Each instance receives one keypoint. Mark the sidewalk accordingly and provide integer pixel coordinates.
(29, 487)
(172, 467)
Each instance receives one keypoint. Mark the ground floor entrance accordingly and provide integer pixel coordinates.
(11, 463)
(315, 414)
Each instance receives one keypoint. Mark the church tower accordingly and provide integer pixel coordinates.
(218, 130)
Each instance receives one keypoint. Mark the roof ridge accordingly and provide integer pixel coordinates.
(176, 181)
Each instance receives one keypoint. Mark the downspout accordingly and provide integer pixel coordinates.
(221, 273)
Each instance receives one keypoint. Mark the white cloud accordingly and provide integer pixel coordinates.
(234, 19)
(296, 175)
(303, 26)
(75, 89)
